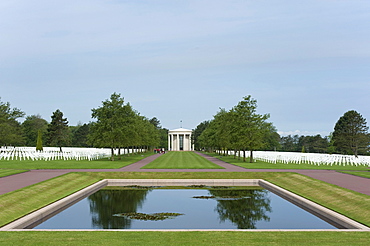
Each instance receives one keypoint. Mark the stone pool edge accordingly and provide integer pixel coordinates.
(44, 213)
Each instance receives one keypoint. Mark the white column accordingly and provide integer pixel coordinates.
(178, 142)
(169, 141)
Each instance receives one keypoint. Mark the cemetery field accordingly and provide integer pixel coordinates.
(74, 164)
(181, 160)
(266, 165)
(18, 203)
(7, 172)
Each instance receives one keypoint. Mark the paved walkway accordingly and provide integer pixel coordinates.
(17, 181)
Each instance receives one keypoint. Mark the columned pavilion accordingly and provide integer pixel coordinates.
(180, 140)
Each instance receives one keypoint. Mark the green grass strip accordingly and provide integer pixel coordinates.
(266, 165)
(184, 238)
(7, 172)
(73, 164)
(15, 204)
(181, 160)
(365, 174)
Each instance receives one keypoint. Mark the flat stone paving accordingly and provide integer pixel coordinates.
(17, 181)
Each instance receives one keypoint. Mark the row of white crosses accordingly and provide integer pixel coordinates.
(307, 158)
(53, 153)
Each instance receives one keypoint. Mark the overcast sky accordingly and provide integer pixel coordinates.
(305, 62)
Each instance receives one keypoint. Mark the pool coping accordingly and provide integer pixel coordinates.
(45, 212)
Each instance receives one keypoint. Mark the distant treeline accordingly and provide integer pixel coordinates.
(57, 132)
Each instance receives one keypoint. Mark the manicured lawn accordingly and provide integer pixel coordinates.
(7, 172)
(184, 238)
(181, 160)
(18, 203)
(73, 164)
(266, 165)
(365, 174)
(23, 201)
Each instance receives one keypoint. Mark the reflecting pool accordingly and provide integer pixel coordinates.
(212, 209)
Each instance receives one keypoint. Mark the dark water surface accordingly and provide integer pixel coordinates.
(259, 209)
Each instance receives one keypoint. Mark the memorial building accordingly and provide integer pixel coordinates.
(180, 140)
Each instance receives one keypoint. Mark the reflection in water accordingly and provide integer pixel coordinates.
(105, 203)
(97, 211)
(243, 212)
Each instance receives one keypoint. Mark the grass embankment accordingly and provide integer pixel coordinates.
(184, 238)
(17, 203)
(7, 172)
(267, 165)
(181, 160)
(73, 164)
(365, 174)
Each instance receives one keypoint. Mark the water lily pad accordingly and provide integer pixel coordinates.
(204, 197)
(144, 216)
(221, 198)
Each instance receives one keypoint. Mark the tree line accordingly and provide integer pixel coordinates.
(241, 129)
(115, 125)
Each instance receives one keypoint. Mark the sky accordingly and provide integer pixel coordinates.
(305, 62)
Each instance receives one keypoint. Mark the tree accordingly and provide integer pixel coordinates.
(58, 132)
(118, 125)
(350, 134)
(107, 130)
(39, 141)
(162, 133)
(240, 128)
(10, 128)
(79, 135)
(250, 128)
(31, 127)
(271, 139)
(197, 132)
(154, 121)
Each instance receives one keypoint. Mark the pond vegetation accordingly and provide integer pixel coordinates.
(221, 197)
(144, 216)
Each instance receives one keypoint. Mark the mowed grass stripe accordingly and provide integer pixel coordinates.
(181, 160)
(23, 201)
(105, 163)
(7, 172)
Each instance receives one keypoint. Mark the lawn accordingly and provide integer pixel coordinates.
(365, 174)
(184, 238)
(181, 160)
(23, 201)
(17, 203)
(7, 172)
(73, 164)
(266, 165)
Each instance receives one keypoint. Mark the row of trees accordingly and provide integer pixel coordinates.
(116, 125)
(238, 129)
(350, 136)
(241, 129)
(309, 144)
